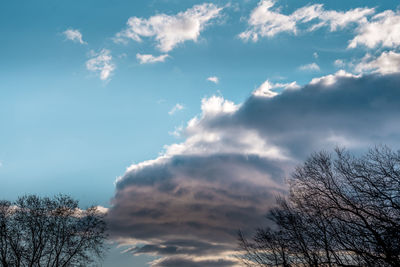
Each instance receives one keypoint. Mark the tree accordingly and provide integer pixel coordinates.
(40, 231)
(341, 210)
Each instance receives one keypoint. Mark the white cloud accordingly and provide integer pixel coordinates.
(383, 29)
(177, 131)
(331, 79)
(266, 22)
(335, 20)
(386, 63)
(147, 58)
(101, 209)
(339, 63)
(214, 105)
(213, 79)
(101, 63)
(310, 67)
(169, 31)
(74, 35)
(265, 89)
(175, 108)
(315, 55)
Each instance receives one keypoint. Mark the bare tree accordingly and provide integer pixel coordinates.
(36, 231)
(341, 211)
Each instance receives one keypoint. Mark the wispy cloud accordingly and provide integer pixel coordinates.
(176, 108)
(74, 35)
(310, 67)
(177, 131)
(265, 89)
(265, 21)
(101, 63)
(339, 63)
(169, 31)
(213, 79)
(148, 58)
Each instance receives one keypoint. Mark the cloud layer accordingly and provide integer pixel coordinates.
(169, 31)
(187, 204)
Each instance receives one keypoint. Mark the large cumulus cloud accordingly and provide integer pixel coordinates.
(188, 204)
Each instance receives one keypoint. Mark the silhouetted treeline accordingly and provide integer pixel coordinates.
(342, 210)
(36, 231)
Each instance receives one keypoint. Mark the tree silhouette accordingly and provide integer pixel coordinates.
(39, 231)
(341, 210)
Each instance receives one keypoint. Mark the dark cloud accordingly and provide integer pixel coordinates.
(203, 197)
(190, 202)
(186, 262)
(174, 247)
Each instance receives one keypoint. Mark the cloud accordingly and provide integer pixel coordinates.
(74, 35)
(177, 132)
(383, 30)
(188, 203)
(315, 55)
(187, 261)
(175, 108)
(101, 63)
(265, 89)
(310, 67)
(339, 63)
(169, 31)
(213, 79)
(265, 21)
(101, 209)
(123, 55)
(200, 201)
(170, 247)
(332, 79)
(147, 58)
(386, 63)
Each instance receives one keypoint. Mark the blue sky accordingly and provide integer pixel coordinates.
(79, 102)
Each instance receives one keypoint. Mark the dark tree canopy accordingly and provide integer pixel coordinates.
(40, 231)
(342, 210)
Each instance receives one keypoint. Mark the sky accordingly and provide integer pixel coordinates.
(184, 118)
